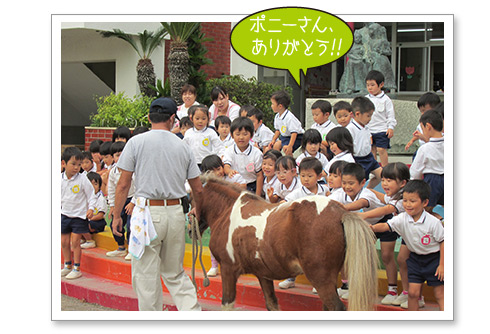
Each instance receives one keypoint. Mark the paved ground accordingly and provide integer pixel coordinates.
(74, 304)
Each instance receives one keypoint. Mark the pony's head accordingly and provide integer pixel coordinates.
(217, 195)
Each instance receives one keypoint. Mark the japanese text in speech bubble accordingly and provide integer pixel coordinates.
(291, 38)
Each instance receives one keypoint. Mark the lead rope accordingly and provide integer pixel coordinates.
(196, 238)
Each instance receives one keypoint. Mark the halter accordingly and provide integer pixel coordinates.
(196, 237)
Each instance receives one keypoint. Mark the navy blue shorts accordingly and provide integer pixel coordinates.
(436, 183)
(97, 225)
(297, 142)
(380, 139)
(73, 225)
(422, 268)
(368, 163)
(387, 236)
(252, 186)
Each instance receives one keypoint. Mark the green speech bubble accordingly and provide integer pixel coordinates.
(291, 38)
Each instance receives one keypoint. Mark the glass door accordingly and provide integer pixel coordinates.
(412, 68)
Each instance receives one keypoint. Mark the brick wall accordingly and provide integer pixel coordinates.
(93, 133)
(218, 50)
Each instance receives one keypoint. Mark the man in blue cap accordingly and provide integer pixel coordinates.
(161, 163)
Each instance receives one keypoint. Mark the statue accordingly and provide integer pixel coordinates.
(356, 69)
(370, 51)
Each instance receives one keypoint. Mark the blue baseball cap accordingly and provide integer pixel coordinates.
(164, 105)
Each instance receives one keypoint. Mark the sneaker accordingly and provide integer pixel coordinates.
(314, 291)
(88, 244)
(74, 274)
(343, 293)
(117, 252)
(389, 298)
(65, 271)
(402, 298)
(213, 272)
(421, 303)
(287, 284)
(128, 257)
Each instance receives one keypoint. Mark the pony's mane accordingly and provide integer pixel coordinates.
(211, 179)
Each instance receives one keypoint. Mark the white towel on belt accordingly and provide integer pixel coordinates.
(142, 229)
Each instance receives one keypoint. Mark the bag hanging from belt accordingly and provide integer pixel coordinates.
(185, 204)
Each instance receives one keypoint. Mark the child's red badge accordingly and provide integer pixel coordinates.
(425, 240)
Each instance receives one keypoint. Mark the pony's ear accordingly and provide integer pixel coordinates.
(205, 177)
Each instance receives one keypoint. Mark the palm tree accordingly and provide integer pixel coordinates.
(148, 42)
(178, 58)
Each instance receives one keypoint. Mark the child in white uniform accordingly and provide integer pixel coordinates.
(383, 123)
(287, 175)
(271, 182)
(243, 158)
(363, 110)
(77, 204)
(222, 125)
(341, 144)
(321, 111)
(310, 171)
(311, 144)
(263, 135)
(202, 140)
(288, 128)
(114, 175)
(429, 161)
(424, 236)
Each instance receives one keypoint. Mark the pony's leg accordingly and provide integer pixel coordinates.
(228, 285)
(269, 294)
(330, 299)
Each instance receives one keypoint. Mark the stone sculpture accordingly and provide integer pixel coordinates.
(370, 51)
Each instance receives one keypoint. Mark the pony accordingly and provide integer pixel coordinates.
(314, 236)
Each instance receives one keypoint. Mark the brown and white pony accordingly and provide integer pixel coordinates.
(314, 236)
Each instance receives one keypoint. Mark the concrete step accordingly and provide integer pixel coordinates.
(107, 281)
(105, 242)
(120, 296)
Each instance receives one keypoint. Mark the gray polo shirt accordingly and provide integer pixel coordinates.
(161, 163)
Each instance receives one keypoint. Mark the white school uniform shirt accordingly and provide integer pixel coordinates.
(203, 143)
(374, 202)
(114, 176)
(429, 159)
(384, 113)
(334, 191)
(320, 156)
(101, 203)
(263, 136)
(396, 203)
(422, 236)
(362, 138)
(304, 192)
(237, 178)
(419, 129)
(228, 141)
(247, 163)
(93, 169)
(287, 124)
(282, 191)
(273, 183)
(345, 156)
(182, 111)
(324, 128)
(77, 196)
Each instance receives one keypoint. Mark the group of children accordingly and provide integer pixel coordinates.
(336, 161)
(88, 191)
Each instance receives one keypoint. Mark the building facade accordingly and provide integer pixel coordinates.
(95, 66)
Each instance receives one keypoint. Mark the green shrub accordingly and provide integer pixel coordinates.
(118, 110)
(250, 91)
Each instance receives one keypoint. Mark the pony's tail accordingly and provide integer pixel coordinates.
(361, 263)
